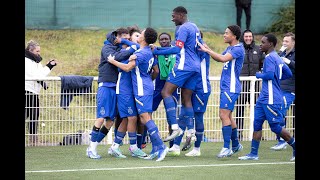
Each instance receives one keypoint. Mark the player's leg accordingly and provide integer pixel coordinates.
(259, 118)
(227, 102)
(106, 110)
(144, 104)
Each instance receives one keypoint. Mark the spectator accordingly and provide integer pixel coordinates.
(269, 103)
(243, 5)
(288, 85)
(34, 69)
(253, 61)
(230, 86)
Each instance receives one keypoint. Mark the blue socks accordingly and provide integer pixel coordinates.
(119, 137)
(154, 133)
(255, 147)
(170, 106)
(132, 138)
(234, 137)
(226, 131)
(199, 128)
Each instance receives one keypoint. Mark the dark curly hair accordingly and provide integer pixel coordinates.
(150, 35)
(271, 38)
(180, 9)
(236, 30)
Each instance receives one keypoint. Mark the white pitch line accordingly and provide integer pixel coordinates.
(157, 167)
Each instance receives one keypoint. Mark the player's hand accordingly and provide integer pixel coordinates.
(152, 46)
(117, 40)
(203, 47)
(111, 59)
(132, 57)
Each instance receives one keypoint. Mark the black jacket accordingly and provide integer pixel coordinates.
(253, 60)
(108, 72)
(289, 84)
(243, 2)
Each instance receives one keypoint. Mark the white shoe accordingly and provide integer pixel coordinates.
(281, 145)
(162, 154)
(193, 153)
(173, 152)
(225, 152)
(92, 154)
(110, 151)
(174, 134)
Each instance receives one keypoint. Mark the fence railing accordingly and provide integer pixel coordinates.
(58, 125)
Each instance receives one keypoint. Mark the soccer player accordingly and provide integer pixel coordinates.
(287, 86)
(140, 65)
(268, 105)
(165, 63)
(230, 86)
(200, 99)
(106, 94)
(126, 105)
(184, 72)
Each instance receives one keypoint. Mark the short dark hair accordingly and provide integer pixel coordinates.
(166, 34)
(150, 35)
(271, 38)
(121, 30)
(236, 30)
(180, 9)
(133, 29)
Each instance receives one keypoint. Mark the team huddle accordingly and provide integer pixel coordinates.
(135, 76)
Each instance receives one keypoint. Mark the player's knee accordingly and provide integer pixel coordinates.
(275, 127)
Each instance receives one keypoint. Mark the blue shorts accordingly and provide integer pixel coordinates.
(106, 102)
(157, 97)
(183, 79)
(270, 112)
(288, 99)
(227, 100)
(200, 101)
(126, 105)
(144, 103)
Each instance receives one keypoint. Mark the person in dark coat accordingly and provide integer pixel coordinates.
(253, 62)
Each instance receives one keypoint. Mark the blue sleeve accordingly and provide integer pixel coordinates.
(286, 72)
(123, 55)
(236, 52)
(167, 50)
(265, 76)
(130, 43)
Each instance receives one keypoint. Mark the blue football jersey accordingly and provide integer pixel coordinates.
(230, 76)
(141, 74)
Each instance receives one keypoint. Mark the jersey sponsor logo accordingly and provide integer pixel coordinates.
(179, 43)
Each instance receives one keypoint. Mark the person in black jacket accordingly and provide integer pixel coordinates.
(253, 62)
(106, 94)
(246, 6)
(287, 85)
